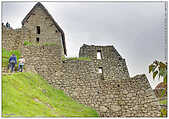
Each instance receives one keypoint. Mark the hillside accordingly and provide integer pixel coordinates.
(28, 95)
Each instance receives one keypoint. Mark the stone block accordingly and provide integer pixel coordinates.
(115, 108)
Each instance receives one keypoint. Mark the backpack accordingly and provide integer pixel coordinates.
(12, 61)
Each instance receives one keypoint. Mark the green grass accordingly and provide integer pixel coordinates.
(28, 95)
(76, 58)
(6, 55)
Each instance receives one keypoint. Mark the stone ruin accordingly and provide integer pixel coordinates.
(102, 83)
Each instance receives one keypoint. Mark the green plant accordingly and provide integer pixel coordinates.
(26, 43)
(163, 102)
(159, 69)
(63, 58)
(163, 112)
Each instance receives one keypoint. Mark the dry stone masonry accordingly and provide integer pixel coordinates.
(113, 66)
(102, 83)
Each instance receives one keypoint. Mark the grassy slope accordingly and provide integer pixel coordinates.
(28, 95)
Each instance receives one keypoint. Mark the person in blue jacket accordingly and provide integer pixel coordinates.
(12, 62)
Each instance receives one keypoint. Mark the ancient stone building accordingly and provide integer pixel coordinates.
(102, 83)
(43, 27)
(106, 59)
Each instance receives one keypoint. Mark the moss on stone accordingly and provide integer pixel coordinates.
(49, 44)
(76, 58)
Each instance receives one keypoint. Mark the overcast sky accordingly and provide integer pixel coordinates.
(135, 29)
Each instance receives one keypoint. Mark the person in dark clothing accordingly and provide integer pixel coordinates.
(12, 62)
(7, 25)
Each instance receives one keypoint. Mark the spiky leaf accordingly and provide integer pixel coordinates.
(162, 65)
(150, 68)
(154, 67)
(154, 74)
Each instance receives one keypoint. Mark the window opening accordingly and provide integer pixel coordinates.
(99, 54)
(37, 40)
(38, 29)
(100, 70)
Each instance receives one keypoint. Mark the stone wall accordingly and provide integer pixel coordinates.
(113, 65)
(48, 31)
(11, 38)
(44, 60)
(132, 97)
(110, 98)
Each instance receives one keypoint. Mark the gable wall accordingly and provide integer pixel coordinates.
(48, 30)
